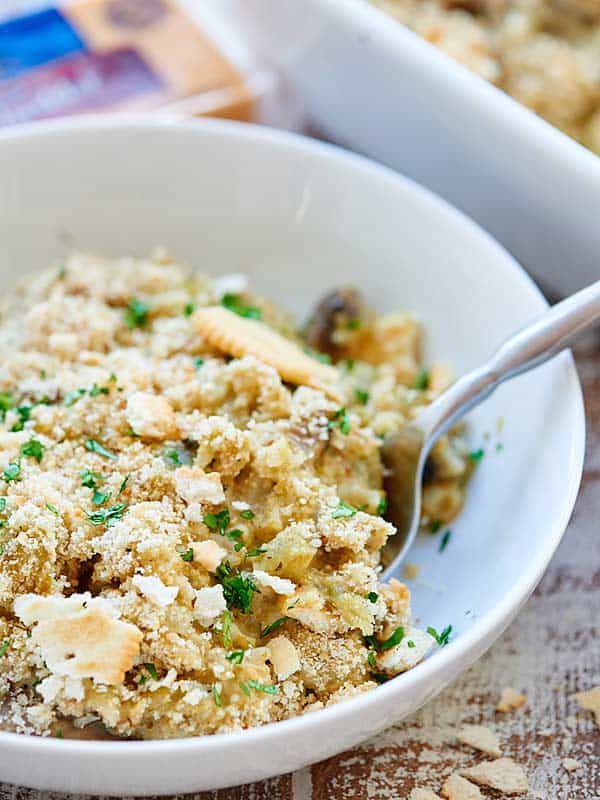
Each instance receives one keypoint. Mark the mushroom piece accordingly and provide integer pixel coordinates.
(338, 308)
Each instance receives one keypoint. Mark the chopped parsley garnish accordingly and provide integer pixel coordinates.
(216, 696)
(444, 541)
(95, 447)
(4, 647)
(435, 526)
(189, 309)
(324, 358)
(477, 455)
(174, 457)
(273, 626)
(218, 522)
(236, 657)
(390, 642)
(136, 313)
(226, 628)
(349, 364)
(6, 403)
(237, 589)
(258, 551)
(33, 449)
(372, 597)
(188, 555)
(2, 503)
(343, 510)
(380, 677)
(52, 508)
(382, 505)
(422, 380)
(361, 396)
(233, 303)
(410, 644)
(260, 687)
(96, 390)
(247, 514)
(107, 516)
(441, 638)
(72, 397)
(151, 669)
(24, 413)
(198, 362)
(354, 324)
(12, 472)
(123, 485)
(340, 420)
(91, 479)
(371, 659)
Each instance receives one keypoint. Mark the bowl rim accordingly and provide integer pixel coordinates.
(469, 646)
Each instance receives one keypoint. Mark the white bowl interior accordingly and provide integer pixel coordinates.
(300, 218)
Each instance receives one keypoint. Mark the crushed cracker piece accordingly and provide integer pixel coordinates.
(240, 337)
(480, 738)
(458, 788)
(423, 794)
(571, 764)
(503, 774)
(590, 701)
(151, 416)
(510, 700)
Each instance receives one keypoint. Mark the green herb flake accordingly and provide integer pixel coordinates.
(198, 362)
(422, 380)
(4, 647)
(52, 508)
(324, 358)
(258, 551)
(262, 687)
(219, 521)
(393, 640)
(344, 510)
(362, 396)
(123, 485)
(226, 626)
(232, 302)
(372, 597)
(372, 659)
(217, 696)
(410, 644)
(12, 472)
(107, 516)
(2, 503)
(477, 455)
(174, 457)
(24, 413)
(189, 309)
(382, 505)
(96, 390)
(151, 670)
(237, 589)
(441, 638)
(273, 627)
(435, 526)
(91, 479)
(188, 555)
(236, 657)
(247, 514)
(33, 449)
(245, 689)
(354, 324)
(95, 447)
(444, 541)
(100, 497)
(340, 420)
(136, 313)
(6, 402)
(499, 447)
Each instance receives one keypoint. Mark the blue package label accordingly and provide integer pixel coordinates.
(29, 41)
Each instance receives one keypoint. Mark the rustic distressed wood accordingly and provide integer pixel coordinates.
(550, 652)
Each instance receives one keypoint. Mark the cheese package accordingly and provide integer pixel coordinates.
(108, 55)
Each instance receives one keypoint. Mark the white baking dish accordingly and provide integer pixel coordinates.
(373, 85)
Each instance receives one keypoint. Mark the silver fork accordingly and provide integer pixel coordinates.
(405, 452)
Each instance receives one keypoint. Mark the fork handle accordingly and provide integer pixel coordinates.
(531, 346)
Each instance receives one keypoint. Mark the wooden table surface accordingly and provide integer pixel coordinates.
(551, 651)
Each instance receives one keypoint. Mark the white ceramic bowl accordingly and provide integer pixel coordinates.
(300, 217)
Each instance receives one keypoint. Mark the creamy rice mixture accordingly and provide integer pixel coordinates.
(189, 536)
(545, 53)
